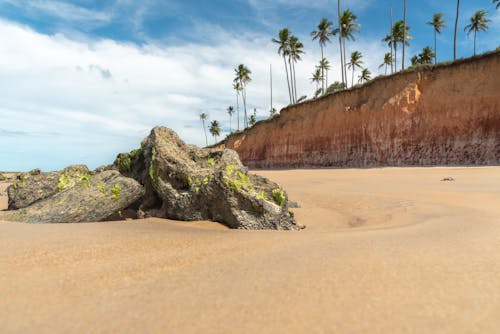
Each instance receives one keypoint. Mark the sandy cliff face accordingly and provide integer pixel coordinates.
(449, 115)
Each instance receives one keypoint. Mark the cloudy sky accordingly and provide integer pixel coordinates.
(83, 80)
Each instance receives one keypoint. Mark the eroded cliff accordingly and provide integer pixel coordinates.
(444, 115)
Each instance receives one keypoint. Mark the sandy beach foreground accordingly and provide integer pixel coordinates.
(385, 251)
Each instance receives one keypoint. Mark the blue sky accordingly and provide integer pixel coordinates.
(81, 81)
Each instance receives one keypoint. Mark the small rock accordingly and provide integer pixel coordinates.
(448, 179)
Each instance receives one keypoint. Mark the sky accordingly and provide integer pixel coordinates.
(83, 80)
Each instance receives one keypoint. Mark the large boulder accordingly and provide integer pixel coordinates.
(188, 183)
(35, 186)
(90, 199)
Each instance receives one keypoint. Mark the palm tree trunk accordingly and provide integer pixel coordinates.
(291, 79)
(404, 37)
(345, 59)
(385, 69)
(322, 71)
(294, 88)
(395, 57)
(340, 45)
(287, 80)
(244, 95)
(392, 47)
(294, 81)
(238, 108)
(435, 47)
(205, 130)
(230, 125)
(475, 42)
(455, 35)
(352, 82)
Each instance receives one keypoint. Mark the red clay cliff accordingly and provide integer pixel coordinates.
(443, 115)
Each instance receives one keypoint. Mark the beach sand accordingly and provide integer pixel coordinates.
(391, 250)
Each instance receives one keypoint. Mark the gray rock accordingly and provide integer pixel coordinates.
(35, 186)
(90, 199)
(186, 183)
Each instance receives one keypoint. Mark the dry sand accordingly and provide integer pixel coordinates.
(385, 251)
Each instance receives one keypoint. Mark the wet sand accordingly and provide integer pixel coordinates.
(385, 251)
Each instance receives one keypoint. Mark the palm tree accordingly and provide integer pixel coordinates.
(203, 118)
(355, 62)
(348, 27)
(438, 23)
(215, 130)
(478, 23)
(387, 61)
(237, 88)
(427, 55)
(455, 35)
(295, 52)
(365, 75)
(252, 120)
(230, 112)
(324, 65)
(323, 36)
(497, 2)
(399, 36)
(316, 77)
(342, 60)
(404, 36)
(391, 43)
(424, 58)
(243, 77)
(284, 50)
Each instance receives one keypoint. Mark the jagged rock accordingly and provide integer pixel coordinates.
(187, 183)
(35, 185)
(93, 198)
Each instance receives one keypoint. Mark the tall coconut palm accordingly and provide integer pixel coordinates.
(387, 61)
(455, 34)
(296, 50)
(230, 112)
(391, 39)
(215, 130)
(348, 28)
(400, 36)
(478, 23)
(323, 34)
(404, 37)
(438, 24)
(237, 88)
(365, 75)
(283, 41)
(316, 77)
(355, 62)
(203, 118)
(243, 77)
(342, 66)
(497, 3)
(324, 65)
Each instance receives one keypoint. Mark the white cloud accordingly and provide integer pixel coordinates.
(61, 10)
(95, 99)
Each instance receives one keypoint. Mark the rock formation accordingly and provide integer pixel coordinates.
(444, 115)
(187, 183)
(85, 198)
(164, 178)
(35, 186)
